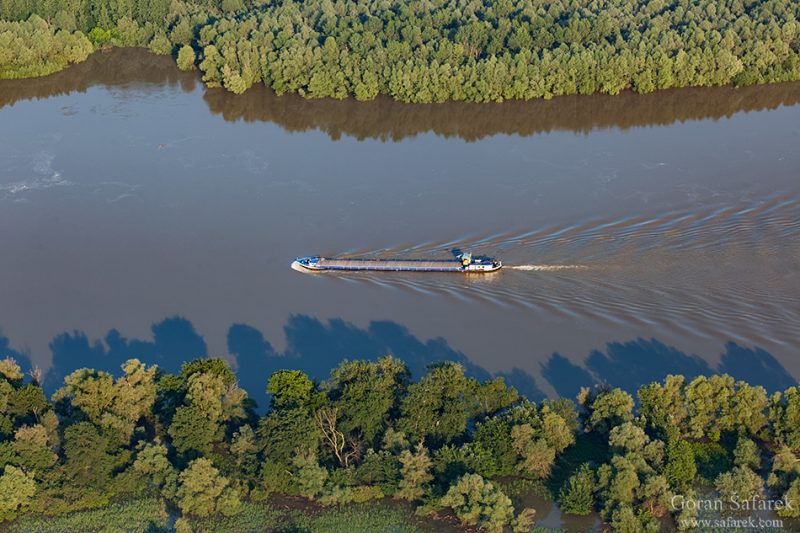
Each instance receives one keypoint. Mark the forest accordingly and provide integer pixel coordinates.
(193, 445)
(422, 51)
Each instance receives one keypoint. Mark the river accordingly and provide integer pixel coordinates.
(143, 215)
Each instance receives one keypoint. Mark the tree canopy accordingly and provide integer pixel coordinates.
(466, 50)
(444, 442)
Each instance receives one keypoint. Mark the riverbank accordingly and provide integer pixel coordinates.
(371, 449)
(34, 48)
(422, 53)
(388, 119)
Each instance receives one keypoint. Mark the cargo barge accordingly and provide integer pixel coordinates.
(464, 263)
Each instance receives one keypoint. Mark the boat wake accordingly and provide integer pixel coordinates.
(718, 271)
(547, 268)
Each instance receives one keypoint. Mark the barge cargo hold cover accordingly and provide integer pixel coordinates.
(464, 263)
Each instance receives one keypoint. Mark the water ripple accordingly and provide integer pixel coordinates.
(730, 270)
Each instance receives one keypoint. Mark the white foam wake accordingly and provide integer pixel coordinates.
(548, 268)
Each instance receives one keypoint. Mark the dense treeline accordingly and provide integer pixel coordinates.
(369, 431)
(449, 50)
(480, 51)
(384, 118)
(34, 48)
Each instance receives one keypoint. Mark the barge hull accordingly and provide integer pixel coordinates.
(407, 265)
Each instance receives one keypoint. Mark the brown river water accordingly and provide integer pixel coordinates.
(143, 215)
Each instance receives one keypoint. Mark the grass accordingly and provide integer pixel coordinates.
(135, 516)
(304, 517)
(373, 517)
(253, 517)
(301, 516)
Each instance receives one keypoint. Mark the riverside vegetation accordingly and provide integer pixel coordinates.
(134, 448)
(422, 51)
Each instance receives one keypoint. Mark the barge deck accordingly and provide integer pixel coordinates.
(464, 263)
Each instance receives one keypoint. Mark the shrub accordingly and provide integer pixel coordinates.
(576, 496)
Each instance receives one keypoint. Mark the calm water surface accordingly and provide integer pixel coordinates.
(144, 215)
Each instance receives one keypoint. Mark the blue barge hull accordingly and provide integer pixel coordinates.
(465, 263)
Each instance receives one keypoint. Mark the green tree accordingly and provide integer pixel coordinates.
(663, 406)
(625, 520)
(415, 473)
(33, 449)
(117, 406)
(435, 408)
(282, 433)
(606, 408)
(747, 454)
(617, 482)
(491, 396)
(88, 390)
(365, 394)
(627, 437)
(556, 431)
(309, 477)
(536, 456)
(186, 58)
(784, 414)
(244, 450)
(290, 389)
(686, 516)
(112, 437)
(154, 466)
(160, 45)
(428, 53)
(27, 403)
(90, 459)
(191, 431)
(494, 435)
(792, 497)
(17, 488)
(211, 399)
(785, 469)
(740, 483)
(203, 491)
(577, 494)
(233, 80)
(182, 33)
(10, 370)
(681, 468)
(477, 502)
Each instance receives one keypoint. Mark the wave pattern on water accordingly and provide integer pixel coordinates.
(732, 271)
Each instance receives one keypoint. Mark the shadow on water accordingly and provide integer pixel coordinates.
(628, 365)
(316, 347)
(384, 118)
(7, 351)
(313, 346)
(174, 341)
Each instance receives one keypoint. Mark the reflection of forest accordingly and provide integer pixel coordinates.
(120, 67)
(387, 119)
